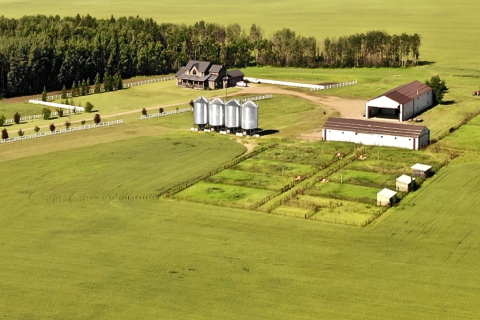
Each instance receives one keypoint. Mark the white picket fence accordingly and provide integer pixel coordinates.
(268, 96)
(125, 86)
(50, 133)
(167, 113)
(39, 116)
(335, 85)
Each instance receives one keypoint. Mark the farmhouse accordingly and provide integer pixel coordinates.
(203, 74)
(376, 133)
(401, 103)
(421, 170)
(404, 183)
(386, 197)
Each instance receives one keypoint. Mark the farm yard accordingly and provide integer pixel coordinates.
(89, 228)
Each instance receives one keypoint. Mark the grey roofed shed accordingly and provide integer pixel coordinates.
(404, 183)
(421, 170)
(386, 197)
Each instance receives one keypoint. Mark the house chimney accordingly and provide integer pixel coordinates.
(417, 92)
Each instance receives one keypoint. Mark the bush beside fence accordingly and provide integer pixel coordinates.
(167, 113)
(50, 133)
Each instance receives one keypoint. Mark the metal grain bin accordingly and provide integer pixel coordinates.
(249, 116)
(216, 113)
(232, 114)
(200, 111)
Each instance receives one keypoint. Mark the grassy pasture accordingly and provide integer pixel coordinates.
(131, 168)
(467, 137)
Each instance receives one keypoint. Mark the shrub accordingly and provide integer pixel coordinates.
(52, 127)
(36, 129)
(82, 122)
(64, 92)
(60, 113)
(4, 134)
(191, 103)
(46, 113)
(16, 118)
(88, 107)
(144, 111)
(2, 120)
(44, 94)
(67, 124)
(20, 133)
(97, 119)
(160, 110)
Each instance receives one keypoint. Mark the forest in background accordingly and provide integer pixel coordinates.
(38, 52)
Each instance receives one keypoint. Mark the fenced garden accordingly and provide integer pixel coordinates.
(333, 182)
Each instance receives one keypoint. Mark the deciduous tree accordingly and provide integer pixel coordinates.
(439, 88)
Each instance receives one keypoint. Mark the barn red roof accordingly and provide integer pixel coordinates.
(406, 93)
(374, 127)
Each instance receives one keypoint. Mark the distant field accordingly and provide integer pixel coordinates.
(84, 236)
(441, 41)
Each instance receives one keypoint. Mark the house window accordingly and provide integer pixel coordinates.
(343, 132)
(194, 72)
(355, 133)
(381, 136)
(395, 138)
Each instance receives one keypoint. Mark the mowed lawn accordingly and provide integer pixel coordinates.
(153, 259)
(141, 167)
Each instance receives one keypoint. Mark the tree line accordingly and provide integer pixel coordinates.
(38, 52)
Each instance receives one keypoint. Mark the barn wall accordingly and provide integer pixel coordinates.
(423, 102)
(369, 139)
(424, 139)
(408, 111)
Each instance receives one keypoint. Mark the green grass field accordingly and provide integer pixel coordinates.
(365, 178)
(83, 236)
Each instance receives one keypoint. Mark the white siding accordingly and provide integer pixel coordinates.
(423, 102)
(369, 139)
(407, 111)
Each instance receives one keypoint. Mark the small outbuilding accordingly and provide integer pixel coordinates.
(405, 183)
(421, 170)
(386, 197)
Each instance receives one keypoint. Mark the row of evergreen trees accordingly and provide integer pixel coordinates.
(40, 51)
(110, 83)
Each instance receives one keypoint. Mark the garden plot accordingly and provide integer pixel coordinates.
(338, 211)
(223, 195)
(250, 179)
(275, 167)
(365, 178)
(310, 153)
(344, 191)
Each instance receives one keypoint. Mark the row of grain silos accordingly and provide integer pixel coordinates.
(231, 115)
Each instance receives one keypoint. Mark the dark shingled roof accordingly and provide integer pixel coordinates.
(374, 127)
(235, 73)
(180, 72)
(202, 66)
(215, 68)
(406, 93)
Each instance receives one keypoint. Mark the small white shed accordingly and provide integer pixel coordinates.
(421, 170)
(405, 183)
(386, 197)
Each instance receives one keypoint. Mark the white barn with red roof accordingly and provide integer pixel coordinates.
(401, 103)
(376, 133)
